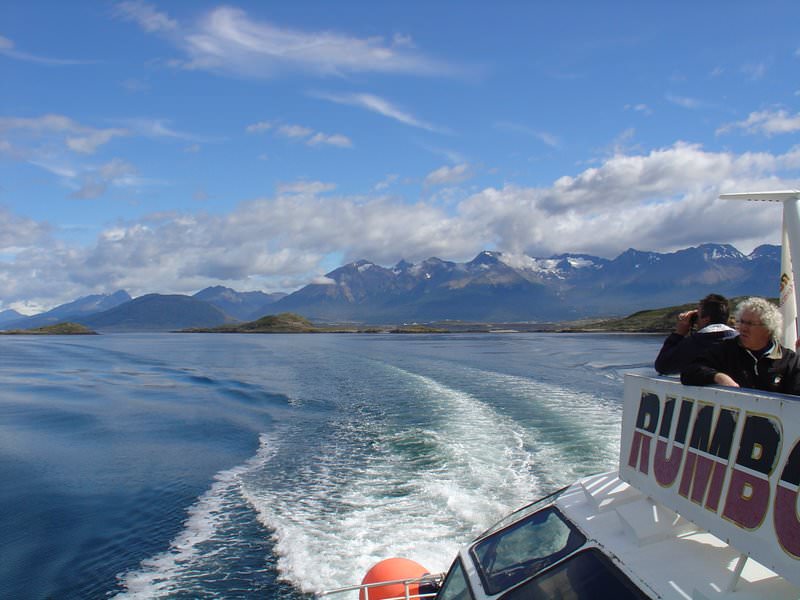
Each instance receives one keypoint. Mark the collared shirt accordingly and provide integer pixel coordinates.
(678, 351)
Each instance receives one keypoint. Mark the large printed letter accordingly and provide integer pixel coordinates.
(665, 469)
(708, 456)
(646, 422)
(748, 492)
(787, 522)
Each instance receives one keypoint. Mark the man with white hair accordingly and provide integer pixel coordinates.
(755, 359)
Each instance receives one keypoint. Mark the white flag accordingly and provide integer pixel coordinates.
(788, 306)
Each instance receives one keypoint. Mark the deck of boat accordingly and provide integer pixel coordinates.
(662, 552)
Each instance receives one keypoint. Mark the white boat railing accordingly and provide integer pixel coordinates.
(426, 581)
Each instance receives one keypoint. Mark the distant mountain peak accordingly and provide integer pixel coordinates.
(402, 265)
(719, 251)
(768, 251)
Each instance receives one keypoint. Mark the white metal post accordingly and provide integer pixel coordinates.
(791, 237)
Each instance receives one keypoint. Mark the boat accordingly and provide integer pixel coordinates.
(703, 504)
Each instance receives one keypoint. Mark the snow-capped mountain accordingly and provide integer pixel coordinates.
(492, 287)
(504, 287)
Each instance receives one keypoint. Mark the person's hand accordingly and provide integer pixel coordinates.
(725, 379)
(684, 325)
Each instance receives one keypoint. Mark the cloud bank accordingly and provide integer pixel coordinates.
(663, 200)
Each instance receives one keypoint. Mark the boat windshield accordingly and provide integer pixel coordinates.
(586, 575)
(525, 548)
(525, 510)
(455, 586)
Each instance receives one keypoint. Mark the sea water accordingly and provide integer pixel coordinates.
(276, 466)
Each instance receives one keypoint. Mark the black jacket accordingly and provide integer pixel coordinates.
(678, 351)
(776, 371)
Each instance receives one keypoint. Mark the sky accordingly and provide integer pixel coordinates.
(170, 146)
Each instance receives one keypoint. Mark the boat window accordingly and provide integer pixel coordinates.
(585, 576)
(525, 548)
(525, 510)
(455, 586)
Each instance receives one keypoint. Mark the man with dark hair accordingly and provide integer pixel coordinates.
(682, 346)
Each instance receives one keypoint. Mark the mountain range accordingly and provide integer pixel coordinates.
(493, 287)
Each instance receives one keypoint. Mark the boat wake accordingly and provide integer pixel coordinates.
(416, 475)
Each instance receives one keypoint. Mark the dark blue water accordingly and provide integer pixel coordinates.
(224, 466)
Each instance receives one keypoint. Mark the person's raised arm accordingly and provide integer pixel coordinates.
(670, 357)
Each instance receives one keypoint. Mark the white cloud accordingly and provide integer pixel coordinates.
(88, 144)
(322, 280)
(8, 48)
(227, 40)
(78, 138)
(294, 131)
(387, 182)
(449, 175)
(311, 137)
(56, 169)
(662, 200)
(146, 16)
(336, 139)
(642, 108)
(159, 128)
(259, 127)
(767, 122)
(305, 187)
(382, 107)
(95, 182)
(17, 233)
(685, 102)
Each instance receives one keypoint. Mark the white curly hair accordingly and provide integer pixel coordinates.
(769, 314)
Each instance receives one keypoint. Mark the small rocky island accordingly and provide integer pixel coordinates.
(294, 323)
(281, 323)
(57, 329)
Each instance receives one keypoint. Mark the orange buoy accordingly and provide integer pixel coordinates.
(392, 569)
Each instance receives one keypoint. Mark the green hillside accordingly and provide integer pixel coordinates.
(658, 320)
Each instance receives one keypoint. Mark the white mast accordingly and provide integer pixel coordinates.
(790, 255)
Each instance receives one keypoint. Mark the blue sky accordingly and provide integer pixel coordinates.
(166, 147)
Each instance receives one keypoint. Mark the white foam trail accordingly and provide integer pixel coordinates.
(329, 534)
(160, 575)
(545, 408)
